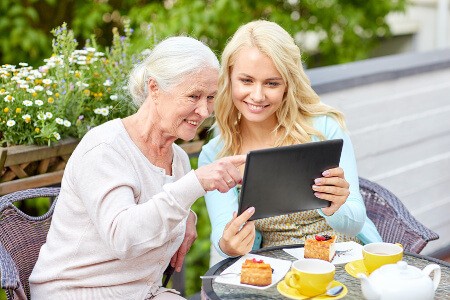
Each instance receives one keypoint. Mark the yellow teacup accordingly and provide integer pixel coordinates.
(310, 277)
(376, 255)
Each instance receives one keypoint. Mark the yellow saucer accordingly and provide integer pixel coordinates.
(292, 293)
(355, 267)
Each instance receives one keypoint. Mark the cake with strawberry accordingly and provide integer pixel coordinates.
(256, 272)
(321, 247)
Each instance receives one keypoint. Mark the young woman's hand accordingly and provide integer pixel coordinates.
(239, 234)
(332, 187)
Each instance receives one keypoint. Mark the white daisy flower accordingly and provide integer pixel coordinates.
(57, 136)
(48, 115)
(9, 98)
(97, 111)
(104, 111)
(31, 91)
(27, 118)
(67, 123)
(10, 123)
(39, 102)
(23, 64)
(41, 116)
(27, 102)
(48, 92)
(107, 82)
(39, 88)
(114, 97)
(47, 81)
(59, 121)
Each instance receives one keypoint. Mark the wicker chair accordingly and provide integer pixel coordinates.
(21, 238)
(392, 219)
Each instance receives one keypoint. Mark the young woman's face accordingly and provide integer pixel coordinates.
(256, 86)
(184, 107)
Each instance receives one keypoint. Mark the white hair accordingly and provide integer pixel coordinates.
(168, 63)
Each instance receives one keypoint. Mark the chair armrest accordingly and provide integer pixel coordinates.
(9, 277)
(392, 219)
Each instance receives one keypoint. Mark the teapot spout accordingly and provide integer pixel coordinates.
(368, 290)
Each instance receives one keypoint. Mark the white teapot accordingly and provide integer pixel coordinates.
(400, 281)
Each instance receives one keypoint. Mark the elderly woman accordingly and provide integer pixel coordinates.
(123, 213)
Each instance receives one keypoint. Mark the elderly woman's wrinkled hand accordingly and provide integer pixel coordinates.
(332, 187)
(221, 175)
(189, 238)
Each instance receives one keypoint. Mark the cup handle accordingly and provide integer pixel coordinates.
(436, 269)
(287, 280)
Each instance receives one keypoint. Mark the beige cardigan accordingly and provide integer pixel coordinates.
(117, 223)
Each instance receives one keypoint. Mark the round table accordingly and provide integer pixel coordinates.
(217, 291)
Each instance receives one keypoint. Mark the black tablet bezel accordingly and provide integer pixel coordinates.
(278, 181)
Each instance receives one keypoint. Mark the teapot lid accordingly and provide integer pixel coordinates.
(399, 270)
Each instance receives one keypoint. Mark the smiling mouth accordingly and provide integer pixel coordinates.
(194, 123)
(256, 107)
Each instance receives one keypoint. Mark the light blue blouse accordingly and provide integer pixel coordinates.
(350, 219)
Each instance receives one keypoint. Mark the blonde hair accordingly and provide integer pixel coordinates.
(168, 64)
(300, 101)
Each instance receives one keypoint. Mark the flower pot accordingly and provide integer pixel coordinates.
(28, 166)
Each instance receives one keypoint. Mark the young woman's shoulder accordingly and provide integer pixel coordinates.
(328, 126)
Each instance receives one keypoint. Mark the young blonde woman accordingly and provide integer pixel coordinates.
(265, 100)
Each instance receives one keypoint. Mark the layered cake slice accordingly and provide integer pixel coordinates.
(256, 272)
(321, 247)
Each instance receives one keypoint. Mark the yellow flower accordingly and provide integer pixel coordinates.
(77, 74)
(34, 94)
(50, 100)
(37, 130)
(87, 92)
(57, 95)
(6, 110)
(18, 110)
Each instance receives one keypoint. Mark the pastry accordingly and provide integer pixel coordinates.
(321, 247)
(256, 272)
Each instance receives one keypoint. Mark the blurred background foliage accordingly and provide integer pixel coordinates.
(328, 31)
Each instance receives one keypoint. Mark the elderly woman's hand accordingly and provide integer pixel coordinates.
(189, 237)
(237, 239)
(332, 187)
(222, 174)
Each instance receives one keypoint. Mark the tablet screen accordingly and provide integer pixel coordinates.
(278, 181)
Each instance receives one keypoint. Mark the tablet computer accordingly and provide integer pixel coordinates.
(278, 181)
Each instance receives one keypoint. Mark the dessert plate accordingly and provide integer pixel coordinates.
(280, 268)
(345, 252)
(292, 293)
(355, 267)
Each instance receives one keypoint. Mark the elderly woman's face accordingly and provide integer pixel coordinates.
(185, 106)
